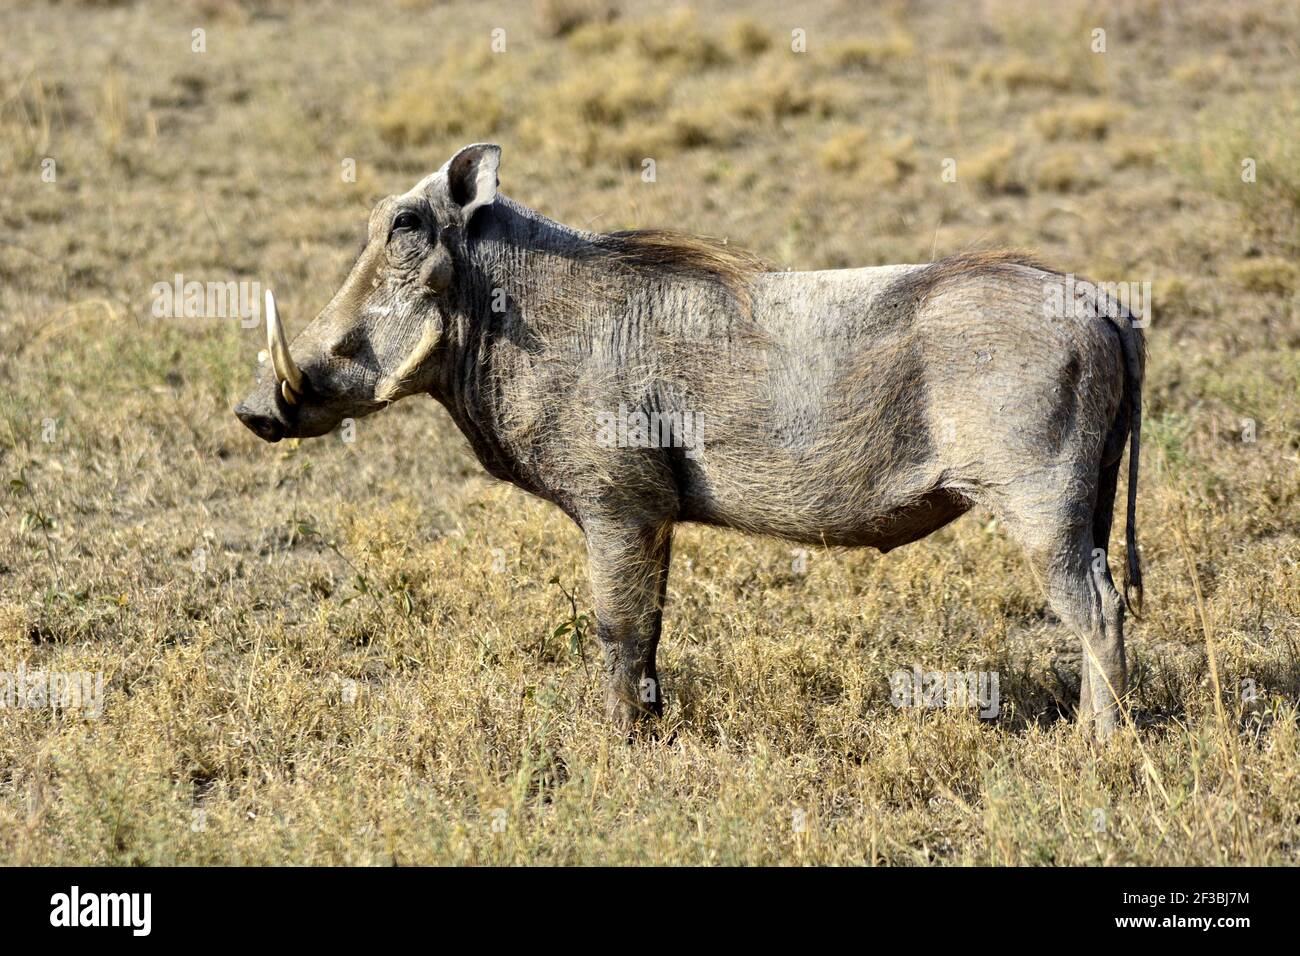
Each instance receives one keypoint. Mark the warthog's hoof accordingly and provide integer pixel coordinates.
(632, 718)
(1100, 726)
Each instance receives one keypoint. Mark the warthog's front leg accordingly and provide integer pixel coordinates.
(629, 578)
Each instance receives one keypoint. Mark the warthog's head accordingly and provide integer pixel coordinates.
(379, 338)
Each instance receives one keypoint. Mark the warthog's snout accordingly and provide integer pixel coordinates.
(286, 403)
(264, 411)
(265, 425)
(270, 418)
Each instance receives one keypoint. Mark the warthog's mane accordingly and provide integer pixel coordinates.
(915, 287)
(561, 269)
(664, 253)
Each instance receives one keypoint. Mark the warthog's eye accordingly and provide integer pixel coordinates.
(406, 222)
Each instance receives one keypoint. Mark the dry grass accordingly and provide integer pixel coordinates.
(1249, 155)
(1090, 120)
(856, 153)
(357, 652)
(998, 168)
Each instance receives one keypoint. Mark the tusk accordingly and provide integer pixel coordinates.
(288, 373)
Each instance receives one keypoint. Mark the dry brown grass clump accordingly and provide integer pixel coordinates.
(857, 153)
(1270, 274)
(997, 169)
(1020, 73)
(1092, 120)
(557, 18)
(458, 97)
(897, 47)
(1063, 171)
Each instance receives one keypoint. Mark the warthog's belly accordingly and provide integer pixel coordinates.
(910, 523)
(877, 526)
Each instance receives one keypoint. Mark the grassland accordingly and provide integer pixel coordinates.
(356, 652)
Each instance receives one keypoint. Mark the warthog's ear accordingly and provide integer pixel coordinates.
(472, 177)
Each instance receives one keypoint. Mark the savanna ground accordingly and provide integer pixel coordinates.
(357, 652)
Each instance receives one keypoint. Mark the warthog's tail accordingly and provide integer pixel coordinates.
(1134, 347)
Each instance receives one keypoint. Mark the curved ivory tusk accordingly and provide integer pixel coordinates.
(286, 370)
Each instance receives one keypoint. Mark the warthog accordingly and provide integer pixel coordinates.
(638, 379)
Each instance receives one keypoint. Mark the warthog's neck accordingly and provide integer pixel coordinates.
(529, 285)
(556, 324)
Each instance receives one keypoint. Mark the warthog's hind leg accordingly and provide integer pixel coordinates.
(1101, 685)
(629, 579)
(1080, 589)
(1107, 667)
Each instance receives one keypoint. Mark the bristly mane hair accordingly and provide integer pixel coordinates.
(916, 286)
(675, 255)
